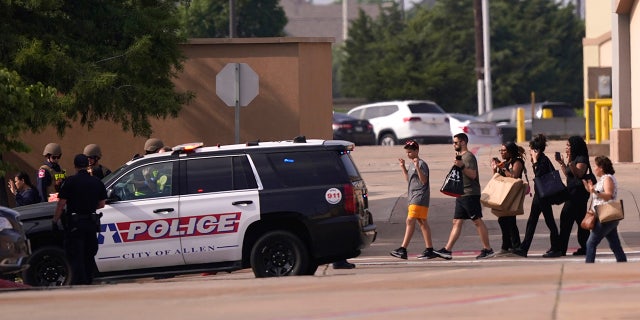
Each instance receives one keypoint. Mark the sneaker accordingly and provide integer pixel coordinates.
(399, 253)
(444, 253)
(428, 254)
(486, 254)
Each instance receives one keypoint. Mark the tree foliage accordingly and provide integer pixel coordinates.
(536, 46)
(62, 61)
(254, 18)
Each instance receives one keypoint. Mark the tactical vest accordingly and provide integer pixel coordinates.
(56, 179)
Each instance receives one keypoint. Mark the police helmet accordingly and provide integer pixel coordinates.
(92, 151)
(52, 149)
(153, 145)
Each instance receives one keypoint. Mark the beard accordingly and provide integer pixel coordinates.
(457, 149)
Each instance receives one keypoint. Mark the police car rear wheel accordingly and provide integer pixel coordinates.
(48, 267)
(279, 253)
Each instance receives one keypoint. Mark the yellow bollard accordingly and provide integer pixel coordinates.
(547, 113)
(520, 129)
(605, 122)
(597, 121)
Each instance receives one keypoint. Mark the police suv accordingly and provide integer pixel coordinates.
(279, 208)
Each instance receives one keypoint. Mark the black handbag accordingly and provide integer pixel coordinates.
(551, 188)
(453, 185)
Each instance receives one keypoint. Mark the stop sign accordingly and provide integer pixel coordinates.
(237, 83)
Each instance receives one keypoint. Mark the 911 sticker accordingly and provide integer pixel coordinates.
(333, 195)
(155, 229)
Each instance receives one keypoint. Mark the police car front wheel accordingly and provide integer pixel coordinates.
(279, 253)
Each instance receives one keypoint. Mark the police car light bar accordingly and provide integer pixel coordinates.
(188, 147)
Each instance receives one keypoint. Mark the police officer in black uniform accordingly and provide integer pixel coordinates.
(82, 194)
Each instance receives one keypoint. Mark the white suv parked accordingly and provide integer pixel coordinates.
(396, 121)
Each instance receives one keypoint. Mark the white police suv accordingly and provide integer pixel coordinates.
(280, 208)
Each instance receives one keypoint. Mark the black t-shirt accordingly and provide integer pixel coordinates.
(82, 192)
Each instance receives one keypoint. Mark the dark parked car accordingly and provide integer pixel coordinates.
(14, 247)
(351, 129)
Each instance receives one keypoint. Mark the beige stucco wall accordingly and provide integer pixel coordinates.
(294, 99)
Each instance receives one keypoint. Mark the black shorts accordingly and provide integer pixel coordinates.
(468, 208)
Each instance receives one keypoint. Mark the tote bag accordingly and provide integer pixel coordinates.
(550, 187)
(453, 185)
(610, 211)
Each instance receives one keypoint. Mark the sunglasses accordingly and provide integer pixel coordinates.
(56, 157)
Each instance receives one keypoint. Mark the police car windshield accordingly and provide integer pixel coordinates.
(116, 173)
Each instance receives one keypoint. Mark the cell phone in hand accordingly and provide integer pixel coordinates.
(558, 156)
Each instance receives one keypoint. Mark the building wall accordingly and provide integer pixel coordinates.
(626, 102)
(294, 99)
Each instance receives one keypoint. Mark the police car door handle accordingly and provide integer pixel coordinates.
(163, 210)
(242, 203)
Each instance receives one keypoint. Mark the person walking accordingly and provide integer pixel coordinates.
(25, 193)
(574, 209)
(541, 166)
(94, 154)
(82, 195)
(50, 174)
(418, 195)
(605, 190)
(468, 205)
(511, 166)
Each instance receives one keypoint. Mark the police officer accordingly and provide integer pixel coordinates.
(153, 145)
(82, 194)
(93, 152)
(50, 174)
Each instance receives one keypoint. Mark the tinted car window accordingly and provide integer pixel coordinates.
(424, 107)
(219, 174)
(149, 181)
(297, 169)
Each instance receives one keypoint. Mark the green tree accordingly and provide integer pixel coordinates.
(64, 61)
(254, 18)
(536, 46)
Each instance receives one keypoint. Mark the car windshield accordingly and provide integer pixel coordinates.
(425, 107)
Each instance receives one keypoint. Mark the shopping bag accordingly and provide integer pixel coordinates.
(550, 187)
(513, 206)
(610, 211)
(453, 185)
(500, 192)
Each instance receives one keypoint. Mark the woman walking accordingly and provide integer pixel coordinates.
(511, 166)
(541, 166)
(574, 209)
(602, 192)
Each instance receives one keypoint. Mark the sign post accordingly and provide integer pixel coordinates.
(237, 85)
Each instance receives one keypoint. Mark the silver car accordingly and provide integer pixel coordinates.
(478, 131)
